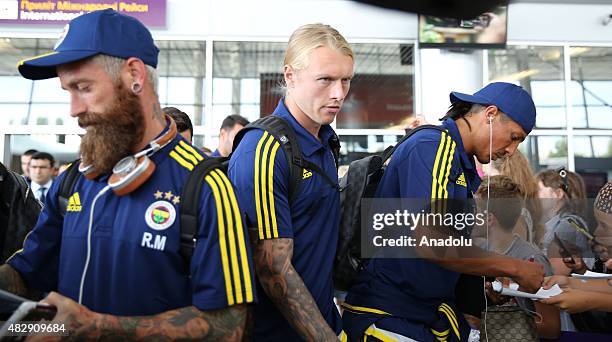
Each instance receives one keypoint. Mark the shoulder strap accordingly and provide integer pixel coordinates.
(389, 150)
(578, 224)
(190, 203)
(334, 144)
(68, 183)
(282, 131)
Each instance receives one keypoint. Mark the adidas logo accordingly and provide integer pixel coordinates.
(74, 203)
(306, 174)
(461, 180)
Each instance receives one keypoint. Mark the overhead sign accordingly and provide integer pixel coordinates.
(26, 12)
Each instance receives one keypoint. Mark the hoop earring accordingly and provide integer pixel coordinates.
(136, 88)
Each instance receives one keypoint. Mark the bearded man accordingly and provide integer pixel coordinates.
(112, 264)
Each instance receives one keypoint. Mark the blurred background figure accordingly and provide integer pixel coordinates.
(229, 128)
(182, 120)
(62, 168)
(506, 204)
(414, 122)
(207, 151)
(563, 199)
(42, 168)
(529, 227)
(25, 162)
(19, 212)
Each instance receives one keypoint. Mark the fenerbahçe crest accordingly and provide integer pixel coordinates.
(160, 215)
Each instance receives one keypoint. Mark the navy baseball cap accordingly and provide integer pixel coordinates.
(99, 32)
(509, 98)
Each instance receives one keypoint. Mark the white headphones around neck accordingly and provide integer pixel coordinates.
(133, 171)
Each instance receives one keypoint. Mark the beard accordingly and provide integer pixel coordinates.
(112, 134)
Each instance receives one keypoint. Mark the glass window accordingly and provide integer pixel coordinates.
(15, 89)
(593, 146)
(64, 148)
(592, 86)
(545, 152)
(13, 114)
(538, 69)
(181, 71)
(354, 147)
(49, 90)
(50, 114)
(248, 79)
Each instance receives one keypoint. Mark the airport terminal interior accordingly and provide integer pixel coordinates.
(220, 59)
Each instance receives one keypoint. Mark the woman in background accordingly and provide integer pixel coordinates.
(529, 227)
(563, 200)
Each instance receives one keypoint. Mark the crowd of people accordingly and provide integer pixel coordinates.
(112, 260)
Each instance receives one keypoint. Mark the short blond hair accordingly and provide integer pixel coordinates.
(309, 37)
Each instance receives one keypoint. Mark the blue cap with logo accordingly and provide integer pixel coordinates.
(509, 98)
(99, 32)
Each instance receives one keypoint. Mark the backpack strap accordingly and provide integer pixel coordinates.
(68, 183)
(190, 204)
(282, 131)
(389, 150)
(334, 144)
(578, 224)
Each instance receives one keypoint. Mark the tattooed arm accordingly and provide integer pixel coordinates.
(11, 281)
(188, 323)
(287, 290)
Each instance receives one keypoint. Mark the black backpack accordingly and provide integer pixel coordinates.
(190, 196)
(360, 181)
(282, 131)
(19, 211)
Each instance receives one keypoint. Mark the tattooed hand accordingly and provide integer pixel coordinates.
(75, 317)
(187, 323)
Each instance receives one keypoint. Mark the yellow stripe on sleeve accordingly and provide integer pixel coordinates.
(191, 150)
(448, 311)
(379, 335)
(434, 174)
(222, 242)
(231, 238)
(271, 188)
(363, 309)
(181, 161)
(440, 333)
(257, 184)
(449, 166)
(186, 155)
(264, 192)
(22, 246)
(244, 257)
(442, 193)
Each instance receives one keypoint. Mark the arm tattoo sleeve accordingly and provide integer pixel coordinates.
(286, 289)
(187, 323)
